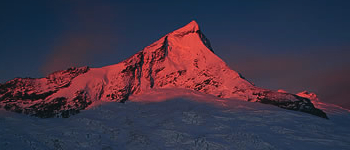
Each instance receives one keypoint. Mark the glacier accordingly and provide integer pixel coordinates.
(184, 119)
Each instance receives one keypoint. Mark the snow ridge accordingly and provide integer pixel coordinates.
(183, 58)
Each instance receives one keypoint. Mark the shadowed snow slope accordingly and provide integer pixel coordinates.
(179, 121)
(181, 59)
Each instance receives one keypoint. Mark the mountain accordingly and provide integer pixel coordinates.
(183, 59)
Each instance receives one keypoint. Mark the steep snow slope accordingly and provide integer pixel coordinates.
(182, 59)
(184, 119)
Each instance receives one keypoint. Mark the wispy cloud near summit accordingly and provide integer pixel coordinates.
(87, 33)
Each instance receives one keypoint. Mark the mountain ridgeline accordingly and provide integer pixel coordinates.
(183, 58)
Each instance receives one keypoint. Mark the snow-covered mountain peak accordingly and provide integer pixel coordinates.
(190, 27)
(187, 40)
(190, 33)
(181, 59)
(184, 59)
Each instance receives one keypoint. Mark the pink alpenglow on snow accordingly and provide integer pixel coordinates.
(328, 108)
(181, 59)
(282, 91)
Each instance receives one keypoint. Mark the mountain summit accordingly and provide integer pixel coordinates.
(183, 58)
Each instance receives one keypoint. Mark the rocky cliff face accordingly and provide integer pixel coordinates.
(183, 58)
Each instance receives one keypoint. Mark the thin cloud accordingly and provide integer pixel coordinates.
(88, 33)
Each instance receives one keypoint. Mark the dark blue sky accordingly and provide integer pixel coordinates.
(291, 45)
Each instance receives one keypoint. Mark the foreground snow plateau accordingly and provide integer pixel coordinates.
(183, 119)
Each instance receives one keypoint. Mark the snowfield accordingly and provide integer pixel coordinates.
(179, 119)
